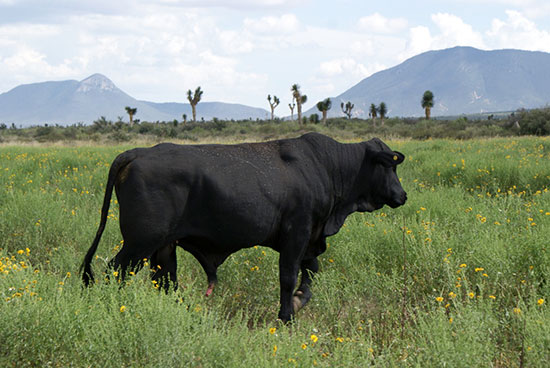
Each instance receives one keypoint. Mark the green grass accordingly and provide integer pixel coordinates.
(456, 277)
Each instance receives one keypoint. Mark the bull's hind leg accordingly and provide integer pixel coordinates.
(164, 266)
(128, 259)
(300, 298)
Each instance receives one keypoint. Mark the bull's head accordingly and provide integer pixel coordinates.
(383, 186)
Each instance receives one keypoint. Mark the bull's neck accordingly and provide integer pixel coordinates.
(347, 166)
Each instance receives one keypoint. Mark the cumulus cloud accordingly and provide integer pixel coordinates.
(451, 31)
(454, 31)
(518, 32)
(287, 23)
(377, 23)
(530, 8)
(336, 67)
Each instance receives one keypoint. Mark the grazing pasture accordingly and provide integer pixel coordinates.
(458, 276)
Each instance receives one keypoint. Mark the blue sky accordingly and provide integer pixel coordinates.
(242, 50)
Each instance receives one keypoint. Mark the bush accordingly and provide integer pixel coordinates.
(535, 122)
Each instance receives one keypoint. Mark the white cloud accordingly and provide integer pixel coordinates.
(238, 4)
(285, 24)
(531, 8)
(377, 23)
(340, 66)
(455, 32)
(451, 31)
(518, 32)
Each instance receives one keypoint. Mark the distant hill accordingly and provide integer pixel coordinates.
(464, 80)
(69, 102)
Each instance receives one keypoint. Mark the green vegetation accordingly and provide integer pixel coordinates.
(456, 277)
(523, 122)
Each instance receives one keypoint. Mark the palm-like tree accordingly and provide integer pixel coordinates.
(382, 110)
(346, 109)
(131, 112)
(373, 111)
(300, 100)
(324, 106)
(194, 100)
(273, 104)
(427, 103)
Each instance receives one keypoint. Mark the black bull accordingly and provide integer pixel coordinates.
(213, 200)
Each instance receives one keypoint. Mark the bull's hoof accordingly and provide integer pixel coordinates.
(300, 299)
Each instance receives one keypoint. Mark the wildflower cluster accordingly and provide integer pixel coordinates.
(11, 266)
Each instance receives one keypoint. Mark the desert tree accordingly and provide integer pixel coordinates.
(346, 109)
(273, 104)
(324, 106)
(373, 112)
(131, 112)
(184, 116)
(300, 100)
(427, 103)
(291, 107)
(382, 110)
(194, 99)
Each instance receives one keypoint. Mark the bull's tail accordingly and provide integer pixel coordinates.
(120, 162)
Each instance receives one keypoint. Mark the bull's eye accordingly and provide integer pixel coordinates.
(395, 158)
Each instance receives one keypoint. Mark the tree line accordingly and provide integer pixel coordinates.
(298, 99)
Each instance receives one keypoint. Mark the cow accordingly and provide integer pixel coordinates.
(213, 200)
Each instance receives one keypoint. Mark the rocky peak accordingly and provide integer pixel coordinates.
(96, 82)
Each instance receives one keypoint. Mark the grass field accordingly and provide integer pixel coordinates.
(457, 277)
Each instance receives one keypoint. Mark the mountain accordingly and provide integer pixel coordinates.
(464, 80)
(69, 102)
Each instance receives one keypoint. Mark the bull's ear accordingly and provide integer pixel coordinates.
(389, 158)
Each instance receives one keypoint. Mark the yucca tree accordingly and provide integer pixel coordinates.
(291, 107)
(427, 103)
(273, 104)
(346, 109)
(324, 106)
(373, 112)
(194, 100)
(131, 112)
(300, 100)
(382, 110)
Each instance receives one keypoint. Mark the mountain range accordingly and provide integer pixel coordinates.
(464, 80)
(70, 102)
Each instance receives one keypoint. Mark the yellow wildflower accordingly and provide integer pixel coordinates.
(122, 309)
(314, 338)
(439, 299)
(540, 301)
(272, 330)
